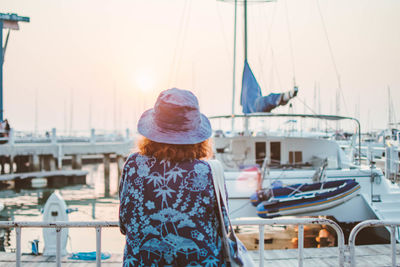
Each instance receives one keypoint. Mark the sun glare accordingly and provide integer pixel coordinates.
(145, 81)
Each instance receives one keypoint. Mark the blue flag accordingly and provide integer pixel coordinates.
(250, 90)
(252, 99)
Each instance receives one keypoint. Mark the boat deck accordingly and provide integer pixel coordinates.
(367, 255)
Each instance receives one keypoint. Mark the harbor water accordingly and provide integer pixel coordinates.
(87, 202)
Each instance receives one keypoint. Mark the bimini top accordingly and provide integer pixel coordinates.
(268, 114)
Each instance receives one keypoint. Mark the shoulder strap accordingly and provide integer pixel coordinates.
(219, 179)
(218, 176)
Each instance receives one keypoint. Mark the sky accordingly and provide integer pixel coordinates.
(99, 64)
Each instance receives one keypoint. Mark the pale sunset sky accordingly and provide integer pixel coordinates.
(102, 63)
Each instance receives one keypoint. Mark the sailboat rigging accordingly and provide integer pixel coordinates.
(251, 98)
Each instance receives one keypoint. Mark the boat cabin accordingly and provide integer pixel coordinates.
(238, 152)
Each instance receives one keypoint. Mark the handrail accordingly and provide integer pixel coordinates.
(100, 224)
(297, 221)
(371, 223)
(58, 225)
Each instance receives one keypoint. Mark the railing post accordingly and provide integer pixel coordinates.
(53, 136)
(92, 136)
(18, 247)
(389, 224)
(58, 246)
(352, 241)
(127, 134)
(261, 244)
(340, 238)
(11, 139)
(98, 246)
(393, 244)
(300, 244)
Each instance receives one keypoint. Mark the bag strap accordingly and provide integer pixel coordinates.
(218, 177)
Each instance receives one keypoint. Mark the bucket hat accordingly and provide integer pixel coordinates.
(175, 119)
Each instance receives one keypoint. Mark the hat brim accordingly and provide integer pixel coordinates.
(148, 128)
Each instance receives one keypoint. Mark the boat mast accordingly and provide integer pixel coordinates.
(246, 120)
(389, 110)
(234, 70)
(245, 30)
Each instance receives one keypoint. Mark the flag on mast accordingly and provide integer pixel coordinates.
(251, 98)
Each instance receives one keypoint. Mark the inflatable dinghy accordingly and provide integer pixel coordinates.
(302, 198)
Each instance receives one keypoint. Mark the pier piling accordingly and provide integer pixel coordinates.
(106, 162)
(11, 164)
(35, 163)
(120, 163)
(77, 162)
(49, 163)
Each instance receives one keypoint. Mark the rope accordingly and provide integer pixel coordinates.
(290, 43)
(185, 27)
(177, 44)
(331, 54)
(304, 103)
(88, 256)
(276, 68)
(228, 51)
(263, 52)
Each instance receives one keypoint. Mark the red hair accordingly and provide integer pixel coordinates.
(173, 152)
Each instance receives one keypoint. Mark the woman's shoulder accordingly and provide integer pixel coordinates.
(131, 157)
(139, 159)
(199, 166)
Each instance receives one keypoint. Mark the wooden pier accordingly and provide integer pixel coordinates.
(53, 179)
(47, 154)
(366, 256)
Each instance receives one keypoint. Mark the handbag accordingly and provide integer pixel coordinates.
(235, 253)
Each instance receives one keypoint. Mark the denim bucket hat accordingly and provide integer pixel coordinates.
(175, 119)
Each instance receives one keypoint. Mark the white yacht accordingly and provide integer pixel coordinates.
(294, 159)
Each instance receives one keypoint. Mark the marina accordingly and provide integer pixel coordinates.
(307, 184)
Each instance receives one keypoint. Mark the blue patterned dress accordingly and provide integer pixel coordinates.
(168, 213)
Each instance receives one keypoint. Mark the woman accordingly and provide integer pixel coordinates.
(168, 209)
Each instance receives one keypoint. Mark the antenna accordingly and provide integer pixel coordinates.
(90, 109)
(65, 116)
(36, 111)
(390, 111)
(337, 107)
(71, 112)
(115, 108)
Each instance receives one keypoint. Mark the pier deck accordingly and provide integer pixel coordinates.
(366, 255)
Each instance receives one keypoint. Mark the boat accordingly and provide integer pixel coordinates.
(300, 198)
(55, 210)
(292, 157)
(293, 160)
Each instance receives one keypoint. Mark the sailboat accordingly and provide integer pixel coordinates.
(291, 159)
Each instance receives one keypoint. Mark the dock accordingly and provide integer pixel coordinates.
(31, 155)
(366, 256)
(54, 179)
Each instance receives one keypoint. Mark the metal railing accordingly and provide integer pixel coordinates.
(58, 226)
(99, 225)
(372, 223)
(300, 222)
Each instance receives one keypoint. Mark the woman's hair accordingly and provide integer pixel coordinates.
(172, 152)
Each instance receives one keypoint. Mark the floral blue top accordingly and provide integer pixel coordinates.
(168, 213)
